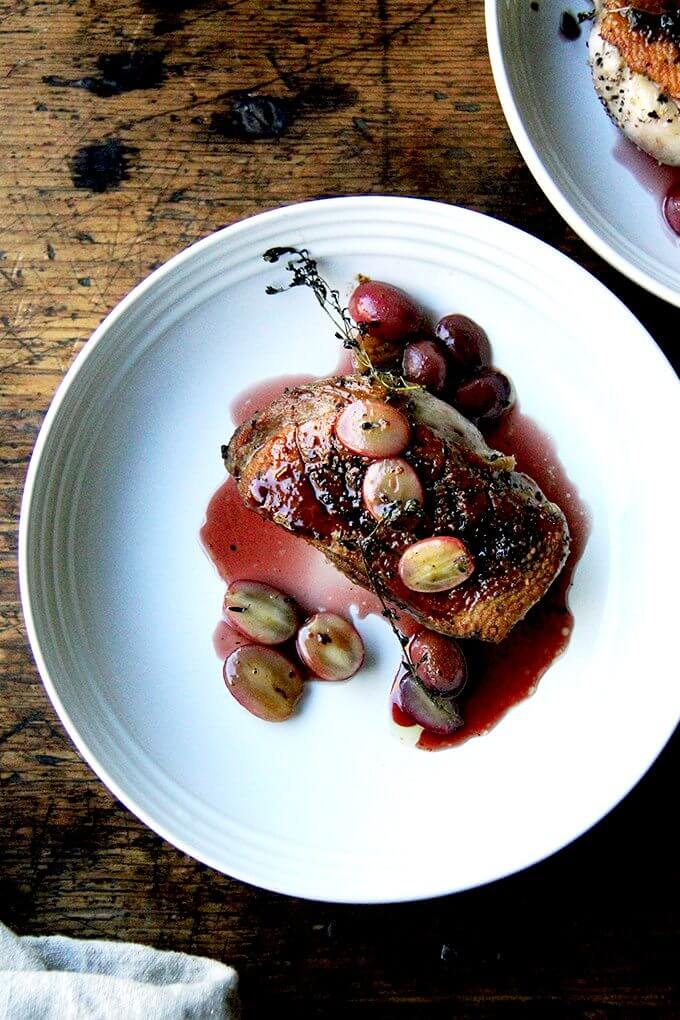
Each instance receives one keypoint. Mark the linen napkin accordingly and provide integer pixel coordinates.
(58, 978)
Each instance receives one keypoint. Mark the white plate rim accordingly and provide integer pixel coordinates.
(87, 752)
(544, 178)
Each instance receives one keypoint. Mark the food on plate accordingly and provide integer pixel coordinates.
(434, 564)
(330, 647)
(293, 465)
(388, 484)
(465, 342)
(268, 681)
(634, 54)
(264, 681)
(260, 612)
(484, 396)
(387, 312)
(671, 208)
(438, 663)
(425, 363)
(372, 428)
(434, 712)
(388, 473)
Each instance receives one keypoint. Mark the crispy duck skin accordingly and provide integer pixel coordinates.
(655, 56)
(291, 469)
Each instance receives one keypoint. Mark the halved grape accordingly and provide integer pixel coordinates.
(389, 483)
(439, 662)
(264, 681)
(433, 712)
(260, 612)
(330, 647)
(389, 313)
(435, 564)
(373, 429)
(466, 343)
(485, 397)
(425, 364)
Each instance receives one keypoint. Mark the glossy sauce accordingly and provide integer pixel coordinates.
(660, 180)
(502, 675)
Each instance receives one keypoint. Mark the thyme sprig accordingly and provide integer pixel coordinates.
(305, 273)
(395, 513)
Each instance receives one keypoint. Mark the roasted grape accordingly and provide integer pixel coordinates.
(671, 208)
(388, 313)
(466, 343)
(438, 662)
(373, 429)
(260, 612)
(484, 397)
(433, 712)
(263, 681)
(388, 484)
(425, 364)
(435, 564)
(330, 647)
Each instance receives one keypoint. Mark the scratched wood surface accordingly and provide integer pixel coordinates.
(129, 129)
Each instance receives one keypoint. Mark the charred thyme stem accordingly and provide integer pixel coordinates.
(305, 273)
(388, 613)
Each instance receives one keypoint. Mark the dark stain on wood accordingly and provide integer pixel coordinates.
(118, 73)
(251, 117)
(169, 12)
(101, 165)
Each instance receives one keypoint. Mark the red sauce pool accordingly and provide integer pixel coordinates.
(662, 181)
(502, 675)
(241, 544)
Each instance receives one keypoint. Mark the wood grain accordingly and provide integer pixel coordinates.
(106, 172)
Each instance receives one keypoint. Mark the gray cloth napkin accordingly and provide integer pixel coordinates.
(58, 978)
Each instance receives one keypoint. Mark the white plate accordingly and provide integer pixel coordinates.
(577, 155)
(120, 601)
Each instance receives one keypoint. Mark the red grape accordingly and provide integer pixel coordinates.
(264, 681)
(439, 662)
(388, 312)
(330, 647)
(261, 612)
(435, 564)
(431, 711)
(373, 429)
(485, 396)
(424, 364)
(465, 341)
(389, 482)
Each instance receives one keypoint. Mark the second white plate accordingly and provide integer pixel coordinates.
(597, 180)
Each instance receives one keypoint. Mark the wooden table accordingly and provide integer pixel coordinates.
(128, 132)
